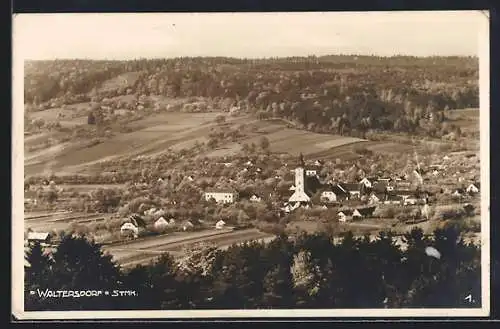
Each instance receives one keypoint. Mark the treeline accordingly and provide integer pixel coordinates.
(331, 94)
(309, 271)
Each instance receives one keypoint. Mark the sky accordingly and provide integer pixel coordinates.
(249, 35)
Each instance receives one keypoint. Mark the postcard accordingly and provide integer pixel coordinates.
(250, 165)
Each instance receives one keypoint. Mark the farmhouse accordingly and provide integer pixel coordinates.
(255, 198)
(473, 188)
(220, 225)
(40, 237)
(222, 196)
(334, 193)
(160, 224)
(376, 197)
(129, 229)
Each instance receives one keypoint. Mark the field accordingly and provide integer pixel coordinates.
(143, 251)
(124, 80)
(46, 222)
(159, 132)
(466, 119)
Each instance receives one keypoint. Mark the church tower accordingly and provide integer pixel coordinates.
(300, 194)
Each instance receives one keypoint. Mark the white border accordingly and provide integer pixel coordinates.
(18, 227)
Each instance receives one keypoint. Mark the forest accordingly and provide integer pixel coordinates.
(309, 271)
(346, 95)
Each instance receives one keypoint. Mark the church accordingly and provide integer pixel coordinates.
(305, 183)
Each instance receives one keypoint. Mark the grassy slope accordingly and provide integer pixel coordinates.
(157, 133)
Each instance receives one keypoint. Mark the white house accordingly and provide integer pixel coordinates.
(374, 198)
(41, 237)
(318, 163)
(129, 228)
(356, 214)
(343, 217)
(366, 182)
(472, 188)
(161, 224)
(222, 196)
(311, 172)
(255, 198)
(329, 196)
(220, 224)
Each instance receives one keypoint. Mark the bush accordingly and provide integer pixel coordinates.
(450, 212)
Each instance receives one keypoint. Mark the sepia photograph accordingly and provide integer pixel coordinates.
(215, 165)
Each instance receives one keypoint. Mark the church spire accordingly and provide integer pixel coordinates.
(301, 160)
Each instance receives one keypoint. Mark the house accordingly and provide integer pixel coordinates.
(366, 182)
(220, 224)
(318, 163)
(187, 225)
(311, 172)
(402, 193)
(129, 229)
(352, 188)
(366, 211)
(344, 216)
(403, 186)
(222, 196)
(160, 224)
(171, 222)
(380, 187)
(411, 200)
(472, 188)
(458, 192)
(356, 214)
(375, 197)
(393, 199)
(255, 198)
(40, 237)
(334, 193)
(137, 220)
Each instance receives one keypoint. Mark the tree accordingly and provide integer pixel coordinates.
(278, 288)
(37, 276)
(91, 119)
(264, 143)
(79, 264)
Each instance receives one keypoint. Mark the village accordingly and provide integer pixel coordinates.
(301, 187)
